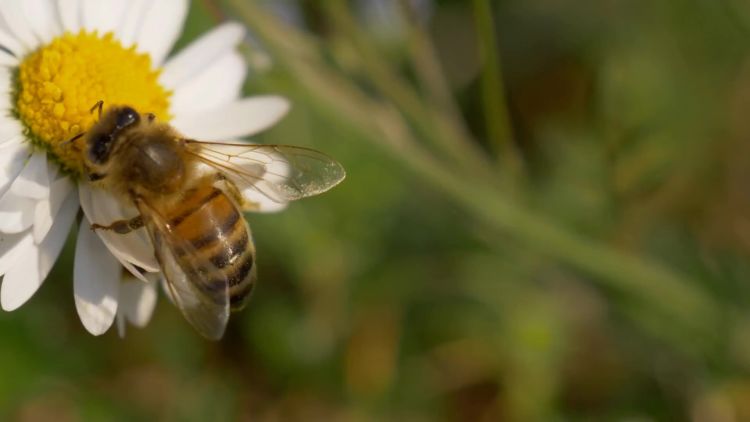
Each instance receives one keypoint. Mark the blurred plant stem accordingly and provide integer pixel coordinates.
(442, 129)
(397, 118)
(497, 121)
(737, 12)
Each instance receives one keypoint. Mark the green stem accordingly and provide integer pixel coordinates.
(671, 295)
(497, 120)
(427, 65)
(454, 143)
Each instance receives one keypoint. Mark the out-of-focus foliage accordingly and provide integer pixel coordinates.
(546, 217)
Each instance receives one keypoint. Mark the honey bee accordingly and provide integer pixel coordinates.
(190, 196)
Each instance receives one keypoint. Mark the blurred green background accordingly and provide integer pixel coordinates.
(546, 217)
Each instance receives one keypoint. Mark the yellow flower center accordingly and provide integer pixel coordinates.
(58, 85)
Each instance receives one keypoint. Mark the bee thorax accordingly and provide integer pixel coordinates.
(158, 166)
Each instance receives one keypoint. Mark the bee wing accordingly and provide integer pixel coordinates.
(198, 289)
(282, 173)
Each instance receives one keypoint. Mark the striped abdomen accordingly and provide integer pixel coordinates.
(220, 237)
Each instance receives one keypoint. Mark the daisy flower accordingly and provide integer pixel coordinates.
(57, 59)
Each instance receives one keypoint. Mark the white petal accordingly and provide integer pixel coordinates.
(10, 43)
(11, 245)
(70, 14)
(264, 203)
(10, 131)
(6, 104)
(16, 213)
(33, 181)
(32, 265)
(24, 180)
(52, 244)
(43, 215)
(137, 301)
(96, 279)
(46, 209)
(13, 15)
(220, 83)
(241, 118)
(13, 156)
(103, 15)
(131, 21)
(161, 27)
(53, 170)
(120, 321)
(6, 88)
(7, 60)
(22, 279)
(135, 247)
(192, 60)
(42, 18)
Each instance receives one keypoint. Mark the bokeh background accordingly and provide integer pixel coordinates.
(546, 217)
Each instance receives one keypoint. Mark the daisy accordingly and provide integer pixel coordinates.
(57, 59)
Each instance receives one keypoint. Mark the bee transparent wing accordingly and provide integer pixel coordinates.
(199, 290)
(282, 173)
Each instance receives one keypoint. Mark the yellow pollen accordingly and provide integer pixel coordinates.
(60, 83)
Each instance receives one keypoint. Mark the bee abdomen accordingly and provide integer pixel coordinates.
(237, 278)
(228, 254)
(241, 281)
(223, 251)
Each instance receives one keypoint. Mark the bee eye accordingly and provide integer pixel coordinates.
(126, 117)
(100, 149)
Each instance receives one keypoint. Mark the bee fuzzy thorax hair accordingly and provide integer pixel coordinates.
(128, 152)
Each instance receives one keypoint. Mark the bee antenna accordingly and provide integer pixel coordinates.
(98, 106)
(73, 139)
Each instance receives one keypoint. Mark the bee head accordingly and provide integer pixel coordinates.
(104, 137)
(105, 133)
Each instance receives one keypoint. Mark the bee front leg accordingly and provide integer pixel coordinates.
(121, 226)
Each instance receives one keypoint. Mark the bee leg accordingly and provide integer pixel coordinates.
(234, 193)
(228, 188)
(121, 226)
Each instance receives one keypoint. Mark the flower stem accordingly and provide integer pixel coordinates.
(499, 128)
(453, 142)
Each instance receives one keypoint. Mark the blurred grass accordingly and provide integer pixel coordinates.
(603, 276)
